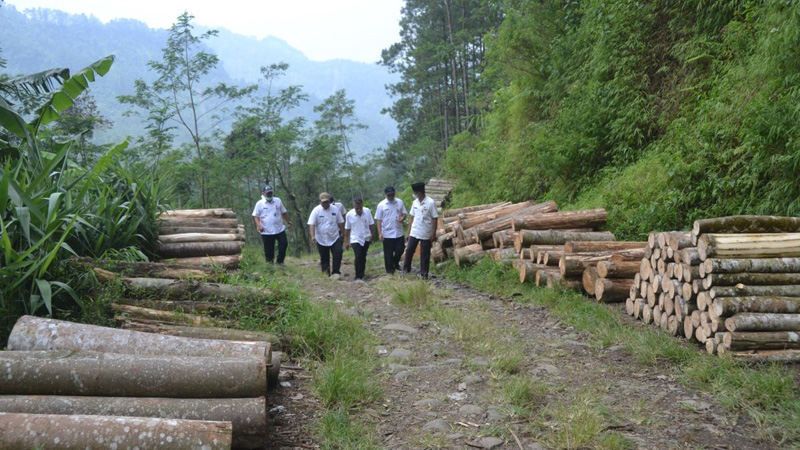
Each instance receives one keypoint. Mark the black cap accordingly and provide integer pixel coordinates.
(389, 190)
(418, 187)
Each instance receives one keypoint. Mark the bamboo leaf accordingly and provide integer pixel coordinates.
(46, 295)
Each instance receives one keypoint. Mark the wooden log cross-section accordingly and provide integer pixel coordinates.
(248, 416)
(609, 290)
(76, 432)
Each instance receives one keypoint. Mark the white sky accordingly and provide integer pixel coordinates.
(322, 29)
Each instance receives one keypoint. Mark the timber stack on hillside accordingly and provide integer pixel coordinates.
(76, 383)
(439, 190)
(201, 237)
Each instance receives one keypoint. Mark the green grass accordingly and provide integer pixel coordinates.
(521, 394)
(338, 429)
(768, 393)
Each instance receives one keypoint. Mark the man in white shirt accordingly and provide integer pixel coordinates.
(339, 205)
(358, 233)
(421, 230)
(269, 215)
(327, 225)
(389, 217)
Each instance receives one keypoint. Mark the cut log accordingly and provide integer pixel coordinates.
(742, 290)
(228, 262)
(527, 271)
(199, 237)
(197, 222)
(601, 246)
(169, 230)
(197, 249)
(748, 245)
(623, 269)
(557, 237)
(501, 254)
(468, 255)
(186, 306)
(438, 255)
(746, 224)
(750, 278)
(64, 372)
(525, 254)
(729, 306)
(76, 432)
(504, 239)
(689, 273)
(485, 230)
(468, 209)
(545, 273)
(446, 240)
(591, 218)
(763, 265)
(629, 305)
(155, 270)
(638, 307)
(769, 356)
(589, 279)
(166, 316)
(559, 282)
(674, 326)
(538, 249)
(763, 322)
(573, 264)
(774, 340)
(179, 289)
(473, 219)
(679, 240)
(608, 290)
(552, 257)
(248, 416)
(688, 327)
(647, 314)
(657, 317)
(220, 213)
(689, 256)
(227, 334)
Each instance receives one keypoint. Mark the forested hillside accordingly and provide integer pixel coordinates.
(662, 112)
(37, 40)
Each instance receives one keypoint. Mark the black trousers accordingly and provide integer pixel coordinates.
(424, 255)
(392, 252)
(325, 253)
(360, 259)
(269, 246)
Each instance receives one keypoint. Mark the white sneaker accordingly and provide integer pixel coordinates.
(335, 276)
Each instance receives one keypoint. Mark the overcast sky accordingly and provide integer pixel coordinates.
(322, 29)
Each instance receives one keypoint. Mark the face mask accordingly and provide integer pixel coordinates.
(269, 198)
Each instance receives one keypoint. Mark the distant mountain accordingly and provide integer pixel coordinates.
(40, 39)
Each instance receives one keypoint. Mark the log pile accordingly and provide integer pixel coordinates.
(201, 237)
(439, 190)
(83, 377)
(750, 274)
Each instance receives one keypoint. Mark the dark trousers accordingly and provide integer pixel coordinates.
(325, 253)
(269, 246)
(392, 252)
(360, 259)
(424, 255)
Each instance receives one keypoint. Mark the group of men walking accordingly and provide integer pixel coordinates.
(334, 230)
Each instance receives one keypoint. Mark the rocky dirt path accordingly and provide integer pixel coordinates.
(476, 371)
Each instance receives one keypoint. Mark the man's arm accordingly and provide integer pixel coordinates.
(346, 239)
(313, 235)
(287, 220)
(410, 224)
(259, 227)
(380, 230)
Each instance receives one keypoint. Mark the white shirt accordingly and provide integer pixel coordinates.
(342, 211)
(388, 212)
(270, 215)
(359, 226)
(326, 223)
(425, 216)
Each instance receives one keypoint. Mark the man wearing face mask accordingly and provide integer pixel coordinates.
(326, 226)
(389, 217)
(421, 230)
(269, 216)
(358, 234)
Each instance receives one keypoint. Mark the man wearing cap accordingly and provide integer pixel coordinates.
(421, 229)
(327, 225)
(358, 233)
(389, 217)
(269, 216)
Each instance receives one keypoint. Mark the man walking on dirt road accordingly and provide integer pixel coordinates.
(358, 233)
(389, 217)
(326, 226)
(269, 216)
(421, 230)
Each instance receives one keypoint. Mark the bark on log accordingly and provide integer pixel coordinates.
(485, 230)
(187, 238)
(769, 356)
(525, 254)
(689, 273)
(775, 340)
(552, 257)
(185, 306)
(748, 245)
(589, 279)
(545, 273)
(746, 224)
(558, 237)
(554, 281)
(220, 213)
(76, 432)
(198, 222)
(622, 269)
(166, 316)
(197, 249)
(248, 416)
(446, 240)
(505, 253)
(591, 218)
(468, 255)
(729, 306)
(64, 372)
(763, 322)
(154, 270)
(228, 262)
(527, 271)
(679, 240)
(601, 246)
(503, 239)
(538, 249)
(226, 334)
(689, 256)
(178, 289)
(608, 290)
(473, 219)
(468, 209)
(169, 230)
(761, 265)
(742, 290)
(750, 278)
(573, 264)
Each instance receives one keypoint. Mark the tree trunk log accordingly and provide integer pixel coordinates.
(608, 290)
(485, 230)
(674, 326)
(169, 230)
(75, 432)
(623, 269)
(228, 262)
(527, 271)
(179, 289)
(763, 322)
(187, 238)
(219, 213)
(501, 254)
(525, 253)
(746, 224)
(503, 239)
(729, 306)
(750, 278)
(557, 237)
(741, 290)
(679, 240)
(64, 372)
(776, 340)
(552, 257)
(468, 209)
(197, 249)
(761, 265)
(468, 255)
(573, 264)
(198, 223)
(769, 356)
(545, 273)
(446, 240)
(591, 218)
(560, 282)
(539, 249)
(248, 416)
(473, 219)
(748, 245)
(689, 256)
(226, 334)
(186, 306)
(601, 246)
(136, 312)
(589, 279)
(154, 270)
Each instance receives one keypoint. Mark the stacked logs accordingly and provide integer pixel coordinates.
(86, 379)
(201, 237)
(750, 292)
(439, 190)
